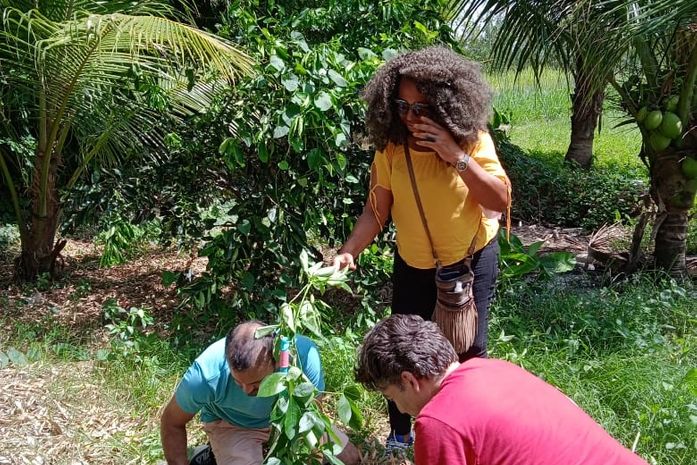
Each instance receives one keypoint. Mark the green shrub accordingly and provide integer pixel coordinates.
(123, 240)
(561, 195)
(9, 237)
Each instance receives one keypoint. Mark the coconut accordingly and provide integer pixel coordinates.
(671, 126)
(653, 120)
(689, 168)
(658, 141)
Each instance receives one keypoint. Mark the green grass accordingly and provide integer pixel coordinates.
(621, 352)
(526, 101)
(540, 121)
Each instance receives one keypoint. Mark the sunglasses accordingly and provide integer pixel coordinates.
(419, 109)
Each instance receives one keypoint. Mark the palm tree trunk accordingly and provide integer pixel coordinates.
(671, 242)
(674, 197)
(587, 105)
(39, 249)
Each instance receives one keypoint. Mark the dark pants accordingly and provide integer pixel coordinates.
(414, 292)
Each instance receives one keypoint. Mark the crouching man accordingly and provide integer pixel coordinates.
(222, 384)
(482, 411)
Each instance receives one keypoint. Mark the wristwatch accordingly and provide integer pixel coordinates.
(462, 164)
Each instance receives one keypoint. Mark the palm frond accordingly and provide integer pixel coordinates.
(79, 73)
(530, 31)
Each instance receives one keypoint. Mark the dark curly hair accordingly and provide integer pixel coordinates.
(454, 87)
(402, 343)
(243, 350)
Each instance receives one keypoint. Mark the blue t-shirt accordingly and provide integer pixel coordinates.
(207, 386)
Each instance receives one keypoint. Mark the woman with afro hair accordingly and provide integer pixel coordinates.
(433, 106)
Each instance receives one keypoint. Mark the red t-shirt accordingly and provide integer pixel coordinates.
(491, 412)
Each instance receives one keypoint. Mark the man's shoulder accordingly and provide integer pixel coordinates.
(304, 342)
(211, 362)
(307, 348)
(477, 380)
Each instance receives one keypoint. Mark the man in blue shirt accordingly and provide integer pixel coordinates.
(222, 384)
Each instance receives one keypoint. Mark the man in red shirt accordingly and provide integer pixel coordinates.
(482, 411)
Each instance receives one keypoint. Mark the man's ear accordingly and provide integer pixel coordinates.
(408, 378)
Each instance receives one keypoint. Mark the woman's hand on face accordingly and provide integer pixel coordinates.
(343, 260)
(432, 135)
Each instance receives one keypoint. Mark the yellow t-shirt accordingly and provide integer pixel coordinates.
(453, 216)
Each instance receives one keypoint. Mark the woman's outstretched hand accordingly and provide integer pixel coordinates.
(343, 260)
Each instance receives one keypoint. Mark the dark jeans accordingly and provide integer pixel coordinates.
(414, 292)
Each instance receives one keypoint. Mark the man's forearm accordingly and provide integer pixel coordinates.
(174, 444)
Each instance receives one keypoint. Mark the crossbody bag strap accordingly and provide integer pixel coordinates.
(417, 197)
(420, 206)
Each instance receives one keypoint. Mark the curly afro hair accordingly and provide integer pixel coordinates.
(454, 87)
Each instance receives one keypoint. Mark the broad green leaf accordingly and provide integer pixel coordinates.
(323, 101)
(353, 392)
(221, 150)
(272, 385)
(315, 158)
(341, 141)
(280, 131)
(277, 63)
(310, 318)
(344, 408)
(169, 278)
(389, 53)
(356, 421)
(311, 439)
(366, 53)
(299, 39)
(304, 260)
(290, 422)
(294, 372)
(272, 461)
(690, 381)
(16, 357)
(341, 160)
(290, 82)
(535, 247)
(304, 389)
(307, 422)
(287, 316)
(264, 331)
(283, 165)
(337, 78)
(4, 359)
(262, 152)
(245, 227)
(558, 262)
